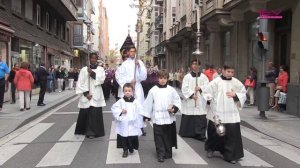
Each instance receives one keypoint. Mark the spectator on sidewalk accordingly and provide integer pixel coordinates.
(42, 77)
(271, 76)
(281, 84)
(171, 78)
(24, 82)
(210, 72)
(50, 80)
(71, 76)
(60, 78)
(11, 78)
(4, 71)
(76, 74)
(250, 84)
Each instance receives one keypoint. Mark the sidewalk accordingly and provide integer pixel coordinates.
(279, 125)
(11, 117)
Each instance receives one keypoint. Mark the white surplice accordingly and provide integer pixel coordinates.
(125, 74)
(190, 106)
(222, 105)
(130, 123)
(157, 103)
(95, 89)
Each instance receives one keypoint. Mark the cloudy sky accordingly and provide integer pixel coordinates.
(120, 16)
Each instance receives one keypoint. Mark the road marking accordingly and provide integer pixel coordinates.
(113, 134)
(76, 112)
(185, 154)
(252, 160)
(14, 146)
(63, 152)
(24, 128)
(274, 145)
(114, 154)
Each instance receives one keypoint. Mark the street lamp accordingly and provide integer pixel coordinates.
(198, 33)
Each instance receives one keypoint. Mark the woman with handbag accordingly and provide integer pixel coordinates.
(281, 84)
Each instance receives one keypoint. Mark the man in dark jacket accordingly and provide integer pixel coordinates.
(42, 74)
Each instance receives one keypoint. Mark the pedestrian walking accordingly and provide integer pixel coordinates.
(271, 76)
(4, 72)
(90, 118)
(193, 120)
(107, 85)
(24, 82)
(11, 78)
(42, 74)
(250, 84)
(76, 74)
(128, 121)
(228, 96)
(161, 105)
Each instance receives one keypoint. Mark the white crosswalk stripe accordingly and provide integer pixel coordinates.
(14, 146)
(63, 152)
(114, 155)
(252, 160)
(274, 145)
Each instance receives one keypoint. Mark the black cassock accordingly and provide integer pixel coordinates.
(193, 126)
(90, 122)
(230, 145)
(165, 138)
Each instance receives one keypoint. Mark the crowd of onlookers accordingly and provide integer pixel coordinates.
(23, 79)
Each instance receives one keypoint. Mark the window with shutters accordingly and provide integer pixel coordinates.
(55, 28)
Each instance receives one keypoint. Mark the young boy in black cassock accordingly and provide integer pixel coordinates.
(161, 105)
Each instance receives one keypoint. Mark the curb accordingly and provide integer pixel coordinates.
(41, 113)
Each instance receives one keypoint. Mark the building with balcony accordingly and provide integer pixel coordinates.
(37, 31)
(83, 32)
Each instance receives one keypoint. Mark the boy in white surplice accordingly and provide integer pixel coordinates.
(228, 97)
(161, 105)
(128, 121)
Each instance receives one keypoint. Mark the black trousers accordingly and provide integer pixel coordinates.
(2, 91)
(13, 92)
(43, 87)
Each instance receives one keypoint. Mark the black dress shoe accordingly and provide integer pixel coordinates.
(27, 108)
(131, 150)
(90, 137)
(160, 159)
(42, 104)
(125, 154)
(21, 109)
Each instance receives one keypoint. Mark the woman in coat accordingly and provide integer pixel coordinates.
(24, 82)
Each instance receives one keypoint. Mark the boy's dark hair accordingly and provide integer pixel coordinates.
(93, 54)
(163, 74)
(128, 85)
(196, 60)
(227, 66)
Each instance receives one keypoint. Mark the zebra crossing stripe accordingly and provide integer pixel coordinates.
(252, 160)
(272, 144)
(185, 154)
(114, 155)
(14, 146)
(64, 151)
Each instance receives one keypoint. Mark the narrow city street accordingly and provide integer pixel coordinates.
(49, 141)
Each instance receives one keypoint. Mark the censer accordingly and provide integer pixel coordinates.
(220, 128)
